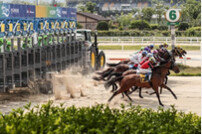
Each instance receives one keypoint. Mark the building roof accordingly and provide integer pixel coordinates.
(93, 16)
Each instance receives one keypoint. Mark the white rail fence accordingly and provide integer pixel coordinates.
(148, 40)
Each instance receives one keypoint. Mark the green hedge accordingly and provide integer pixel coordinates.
(98, 119)
(188, 32)
(194, 31)
(139, 24)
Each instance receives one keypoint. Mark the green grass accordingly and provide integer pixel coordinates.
(137, 47)
(98, 119)
(187, 71)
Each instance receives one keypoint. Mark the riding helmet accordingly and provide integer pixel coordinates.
(151, 46)
(144, 53)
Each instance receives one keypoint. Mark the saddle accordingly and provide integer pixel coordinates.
(145, 77)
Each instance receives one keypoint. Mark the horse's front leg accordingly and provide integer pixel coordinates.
(140, 92)
(166, 87)
(155, 88)
(128, 96)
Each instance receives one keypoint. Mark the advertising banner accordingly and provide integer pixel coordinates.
(51, 12)
(41, 11)
(71, 13)
(28, 11)
(64, 13)
(4, 10)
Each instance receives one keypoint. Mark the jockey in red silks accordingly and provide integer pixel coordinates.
(149, 55)
(137, 59)
(147, 66)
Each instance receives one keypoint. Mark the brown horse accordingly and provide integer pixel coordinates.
(158, 75)
(118, 69)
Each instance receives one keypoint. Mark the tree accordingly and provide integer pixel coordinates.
(124, 20)
(147, 13)
(160, 10)
(90, 6)
(191, 12)
(79, 26)
(103, 25)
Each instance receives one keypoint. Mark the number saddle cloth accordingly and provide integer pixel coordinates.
(145, 77)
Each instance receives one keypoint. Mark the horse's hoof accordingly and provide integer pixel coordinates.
(141, 96)
(162, 105)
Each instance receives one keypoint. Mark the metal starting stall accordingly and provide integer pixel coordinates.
(35, 40)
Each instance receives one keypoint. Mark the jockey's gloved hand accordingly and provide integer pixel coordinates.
(150, 65)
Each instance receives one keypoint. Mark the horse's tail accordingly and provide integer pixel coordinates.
(97, 78)
(107, 73)
(117, 74)
(112, 64)
(112, 81)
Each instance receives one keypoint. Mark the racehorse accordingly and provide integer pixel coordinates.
(162, 57)
(158, 75)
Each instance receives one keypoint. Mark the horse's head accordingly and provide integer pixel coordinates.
(171, 65)
(177, 51)
(164, 54)
(175, 68)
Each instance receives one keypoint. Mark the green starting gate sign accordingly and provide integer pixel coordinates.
(173, 16)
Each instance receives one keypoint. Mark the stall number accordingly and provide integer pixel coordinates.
(31, 26)
(57, 25)
(47, 25)
(52, 25)
(10, 27)
(41, 24)
(25, 26)
(2, 28)
(18, 27)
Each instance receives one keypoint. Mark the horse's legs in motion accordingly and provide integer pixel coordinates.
(166, 81)
(114, 87)
(140, 92)
(157, 94)
(166, 87)
(114, 94)
(134, 88)
(128, 96)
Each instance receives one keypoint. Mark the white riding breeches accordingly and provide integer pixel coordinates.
(143, 71)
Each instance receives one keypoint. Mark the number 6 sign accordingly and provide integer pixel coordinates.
(172, 15)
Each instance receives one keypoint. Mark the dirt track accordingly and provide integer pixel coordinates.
(187, 90)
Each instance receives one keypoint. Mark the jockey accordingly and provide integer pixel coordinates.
(146, 68)
(147, 49)
(160, 46)
(149, 55)
(151, 46)
(137, 58)
(140, 51)
(165, 45)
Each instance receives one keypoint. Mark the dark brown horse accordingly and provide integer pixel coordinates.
(158, 75)
(118, 69)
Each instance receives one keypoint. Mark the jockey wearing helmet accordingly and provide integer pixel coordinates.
(165, 45)
(146, 68)
(136, 59)
(151, 46)
(149, 55)
(140, 51)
